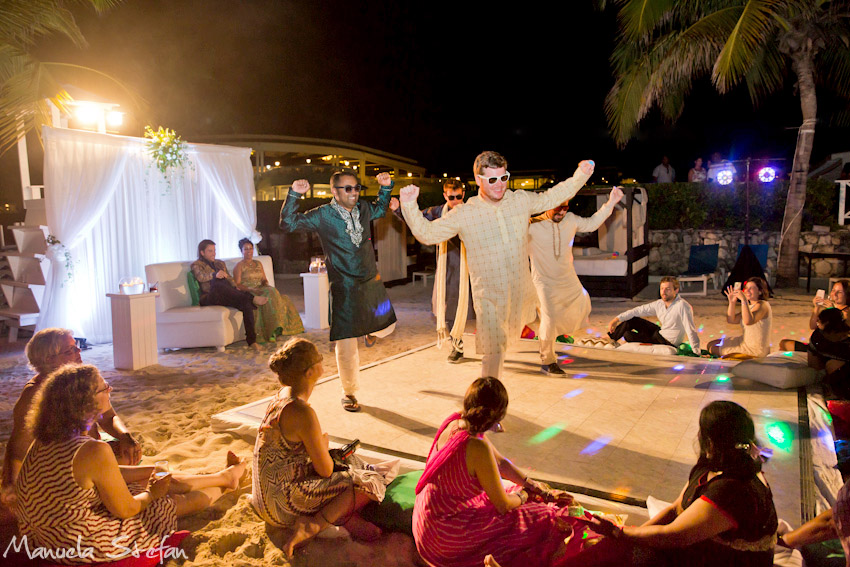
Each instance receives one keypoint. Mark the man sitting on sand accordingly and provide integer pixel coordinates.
(674, 313)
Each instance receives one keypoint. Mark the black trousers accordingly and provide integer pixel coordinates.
(637, 330)
(222, 293)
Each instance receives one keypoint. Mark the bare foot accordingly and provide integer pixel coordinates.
(361, 529)
(260, 300)
(305, 528)
(236, 469)
(255, 346)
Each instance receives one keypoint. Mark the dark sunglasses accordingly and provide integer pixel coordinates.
(454, 197)
(349, 188)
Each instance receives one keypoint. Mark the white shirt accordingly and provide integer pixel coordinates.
(664, 173)
(676, 320)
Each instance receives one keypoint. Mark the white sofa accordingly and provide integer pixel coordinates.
(179, 324)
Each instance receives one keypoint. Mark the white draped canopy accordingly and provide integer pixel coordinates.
(114, 213)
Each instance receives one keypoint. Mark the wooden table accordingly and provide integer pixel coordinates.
(843, 256)
(133, 330)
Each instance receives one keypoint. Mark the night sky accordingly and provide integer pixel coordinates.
(436, 82)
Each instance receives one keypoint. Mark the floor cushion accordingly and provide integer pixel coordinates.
(778, 370)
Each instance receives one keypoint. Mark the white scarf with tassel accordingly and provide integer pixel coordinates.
(456, 333)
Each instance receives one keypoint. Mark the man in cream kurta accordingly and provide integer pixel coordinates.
(564, 303)
(494, 227)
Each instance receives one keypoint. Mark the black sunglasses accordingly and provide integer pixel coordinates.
(454, 197)
(349, 188)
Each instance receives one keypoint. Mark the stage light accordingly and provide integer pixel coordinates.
(767, 174)
(781, 435)
(722, 378)
(725, 176)
(679, 367)
(87, 113)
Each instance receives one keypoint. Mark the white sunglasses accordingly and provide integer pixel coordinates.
(492, 180)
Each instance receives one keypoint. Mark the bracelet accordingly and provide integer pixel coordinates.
(523, 497)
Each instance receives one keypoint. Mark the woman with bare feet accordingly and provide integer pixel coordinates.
(218, 288)
(73, 496)
(296, 482)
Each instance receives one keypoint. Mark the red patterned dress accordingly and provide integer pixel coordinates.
(456, 525)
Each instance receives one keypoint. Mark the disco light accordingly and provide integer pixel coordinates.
(725, 176)
(767, 174)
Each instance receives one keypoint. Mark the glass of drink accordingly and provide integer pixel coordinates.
(160, 469)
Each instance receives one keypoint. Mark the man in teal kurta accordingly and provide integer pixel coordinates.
(359, 302)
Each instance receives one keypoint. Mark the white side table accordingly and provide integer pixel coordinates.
(133, 330)
(316, 300)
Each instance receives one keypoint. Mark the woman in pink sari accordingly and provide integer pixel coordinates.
(463, 513)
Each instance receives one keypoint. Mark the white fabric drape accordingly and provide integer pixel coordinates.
(117, 214)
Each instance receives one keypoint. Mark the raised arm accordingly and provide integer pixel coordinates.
(433, 232)
(589, 224)
(290, 219)
(539, 202)
(379, 206)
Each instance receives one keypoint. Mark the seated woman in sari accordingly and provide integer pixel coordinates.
(723, 516)
(297, 484)
(276, 319)
(71, 493)
(462, 511)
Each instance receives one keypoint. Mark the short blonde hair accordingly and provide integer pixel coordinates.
(294, 359)
(43, 345)
(672, 280)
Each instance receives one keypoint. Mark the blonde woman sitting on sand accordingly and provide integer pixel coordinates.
(277, 318)
(756, 319)
(70, 485)
(296, 483)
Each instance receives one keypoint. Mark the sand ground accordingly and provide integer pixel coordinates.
(168, 407)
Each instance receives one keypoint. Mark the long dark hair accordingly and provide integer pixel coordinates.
(202, 245)
(726, 433)
(484, 405)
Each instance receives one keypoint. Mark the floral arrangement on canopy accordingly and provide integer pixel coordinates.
(167, 149)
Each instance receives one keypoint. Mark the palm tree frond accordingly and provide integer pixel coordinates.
(638, 18)
(752, 31)
(625, 104)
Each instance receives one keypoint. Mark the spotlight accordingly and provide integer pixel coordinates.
(114, 118)
(87, 113)
(767, 174)
(725, 176)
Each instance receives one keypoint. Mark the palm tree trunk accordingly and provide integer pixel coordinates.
(789, 244)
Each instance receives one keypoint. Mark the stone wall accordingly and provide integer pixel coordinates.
(670, 249)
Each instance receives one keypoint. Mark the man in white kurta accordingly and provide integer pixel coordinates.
(564, 303)
(494, 227)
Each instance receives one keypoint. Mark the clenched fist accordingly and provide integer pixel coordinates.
(384, 179)
(301, 186)
(587, 166)
(615, 195)
(394, 204)
(409, 194)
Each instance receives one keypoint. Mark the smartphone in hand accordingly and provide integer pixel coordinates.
(820, 294)
(737, 286)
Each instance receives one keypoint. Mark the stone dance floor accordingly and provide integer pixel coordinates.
(621, 426)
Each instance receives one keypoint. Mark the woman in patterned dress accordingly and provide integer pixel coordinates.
(278, 317)
(71, 493)
(295, 484)
(463, 512)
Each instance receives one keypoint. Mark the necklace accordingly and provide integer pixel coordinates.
(556, 240)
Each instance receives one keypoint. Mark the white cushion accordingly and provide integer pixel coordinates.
(646, 349)
(197, 314)
(778, 370)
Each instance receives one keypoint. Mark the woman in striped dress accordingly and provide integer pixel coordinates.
(72, 495)
(296, 483)
(462, 512)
